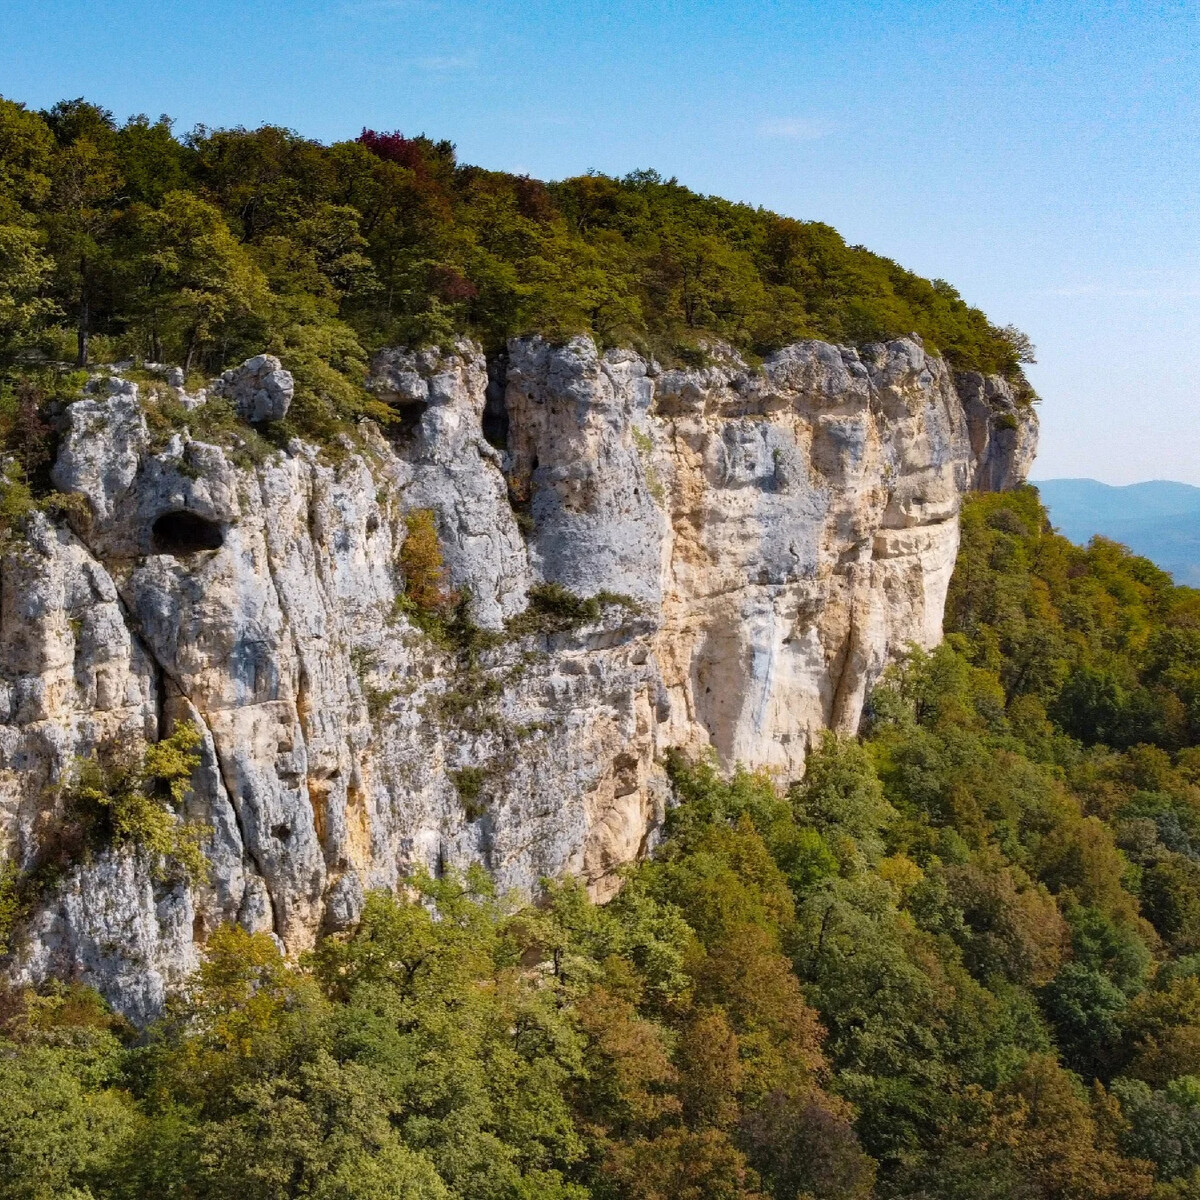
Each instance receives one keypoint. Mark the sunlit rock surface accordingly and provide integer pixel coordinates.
(764, 540)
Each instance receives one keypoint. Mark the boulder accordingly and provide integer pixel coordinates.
(261, 390)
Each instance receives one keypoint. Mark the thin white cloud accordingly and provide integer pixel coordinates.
(795, 129)
(447, 62)
(1117, 292)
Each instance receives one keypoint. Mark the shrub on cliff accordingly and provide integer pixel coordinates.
(422, 563)
(126, 796)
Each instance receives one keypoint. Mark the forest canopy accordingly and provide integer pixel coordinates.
(959, 959)
(125, 240)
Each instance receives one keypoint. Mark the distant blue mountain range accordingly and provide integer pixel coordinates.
(1159, 519)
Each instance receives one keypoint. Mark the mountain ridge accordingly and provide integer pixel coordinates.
(1158, 519)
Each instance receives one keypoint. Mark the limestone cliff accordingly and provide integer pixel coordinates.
(762, 540)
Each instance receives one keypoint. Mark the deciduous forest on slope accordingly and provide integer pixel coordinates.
(960, 958)
(126, 241)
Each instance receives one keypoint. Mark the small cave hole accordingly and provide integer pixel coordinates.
(407, 420)
(281, 832)
(183, 533)
(495, 427)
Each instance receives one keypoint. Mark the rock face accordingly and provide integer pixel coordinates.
(1003, 433)
(261, 390)
(761, 542)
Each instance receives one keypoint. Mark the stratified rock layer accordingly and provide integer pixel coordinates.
(777, 534)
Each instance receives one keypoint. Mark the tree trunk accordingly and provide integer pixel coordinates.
(81, 358)
(191, 354)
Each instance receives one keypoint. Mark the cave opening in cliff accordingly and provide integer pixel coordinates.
(495, 409)
(407, 420)
(183, 533)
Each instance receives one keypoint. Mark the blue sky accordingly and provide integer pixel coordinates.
(1043, 157)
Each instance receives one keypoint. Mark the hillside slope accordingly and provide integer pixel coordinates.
(1158, 519)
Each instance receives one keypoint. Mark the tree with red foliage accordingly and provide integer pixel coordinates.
(417, 154)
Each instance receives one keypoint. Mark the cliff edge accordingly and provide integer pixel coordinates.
(754, 543)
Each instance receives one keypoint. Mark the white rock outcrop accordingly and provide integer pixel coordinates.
(260, 389)
(776, 535)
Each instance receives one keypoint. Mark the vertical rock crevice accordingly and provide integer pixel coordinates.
(736, 554)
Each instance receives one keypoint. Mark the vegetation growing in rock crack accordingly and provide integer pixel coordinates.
(553, 608)
(127, 795)
(427, 599)
(132, 796)
(469, 782)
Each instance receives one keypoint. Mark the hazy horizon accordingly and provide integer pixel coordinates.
(1157, 518)
(1092, 479)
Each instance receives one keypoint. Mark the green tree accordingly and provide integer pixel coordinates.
(85, 180)
(191, 279)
